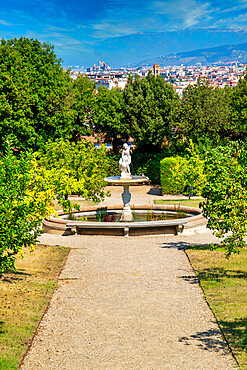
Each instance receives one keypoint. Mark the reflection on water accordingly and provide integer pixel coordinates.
(103, 215)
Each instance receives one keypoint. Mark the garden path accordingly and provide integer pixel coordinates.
(128, 303)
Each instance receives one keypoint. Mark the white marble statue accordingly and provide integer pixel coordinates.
(124, 162)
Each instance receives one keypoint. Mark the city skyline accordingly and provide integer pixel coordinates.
(84, 32)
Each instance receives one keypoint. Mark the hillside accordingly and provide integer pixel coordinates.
(225, 53)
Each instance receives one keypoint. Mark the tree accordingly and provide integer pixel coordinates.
(239, 110)
(35, 94)
(74, 168)
(205, 114)
(23, 204)
(109, 117)
(149, 107)
(84, 100)
(226, 197)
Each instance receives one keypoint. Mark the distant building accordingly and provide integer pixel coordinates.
(156, 70)
(108, 83)
(102, 66)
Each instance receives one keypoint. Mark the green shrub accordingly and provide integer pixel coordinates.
(172, 175)
(147, 163)
(113, 165)
(179, 173)
(194, 173)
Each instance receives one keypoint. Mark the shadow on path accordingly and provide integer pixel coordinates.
(155, 191)
(208, 340)
(185, 245)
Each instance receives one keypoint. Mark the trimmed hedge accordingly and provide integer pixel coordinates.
(172, 175)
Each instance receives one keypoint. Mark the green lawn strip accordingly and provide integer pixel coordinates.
(224, 282)
(81, 202)
(181, 202)
(24, 295)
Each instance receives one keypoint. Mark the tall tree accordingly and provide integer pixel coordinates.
(225, 192)
(84, 100)
(239, 109)
(149, 107)
(109, 117)
(205, 114)
(34, 94)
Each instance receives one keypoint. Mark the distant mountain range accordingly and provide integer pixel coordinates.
(136, 47)
(224, 53)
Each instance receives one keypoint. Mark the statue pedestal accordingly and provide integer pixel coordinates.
(126, 213)
(125, 176)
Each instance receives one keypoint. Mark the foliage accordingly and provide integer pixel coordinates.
(180, 173)
(23, 205)
(74, 168)
(171, 175)
(147, 163)
(113, 164)
(226, 194)
(205, 114)
(149, 107)
(193, 171)
(239, 109)
(35, 94)
(108, 116)
(83, 103)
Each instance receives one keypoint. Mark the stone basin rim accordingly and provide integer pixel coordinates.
(133, 180)
(58, 225)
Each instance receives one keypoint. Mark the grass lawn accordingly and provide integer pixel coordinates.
(181, 202)
(81, 202)
(24, 295)
(224, 282)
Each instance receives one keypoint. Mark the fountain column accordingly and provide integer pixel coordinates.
(126, 179)
(126, 212)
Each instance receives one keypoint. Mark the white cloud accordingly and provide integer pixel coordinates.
(59, 40)
(190, 12)
(151, 16)
(237, 22)
(4, 23)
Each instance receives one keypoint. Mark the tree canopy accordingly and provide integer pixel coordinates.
(149, 107)
(225, 192)
(34, 94)
(109, 118)
(24, 202)
(83, 98)
(239, 109)
(205, 114)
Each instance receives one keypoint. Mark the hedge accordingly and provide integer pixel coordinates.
(172, 175)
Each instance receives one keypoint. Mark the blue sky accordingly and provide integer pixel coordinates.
(80, 30)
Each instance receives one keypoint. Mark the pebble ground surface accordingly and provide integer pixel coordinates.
(128, 303)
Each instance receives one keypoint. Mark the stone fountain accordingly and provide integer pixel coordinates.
(164, 218)
(126, 180)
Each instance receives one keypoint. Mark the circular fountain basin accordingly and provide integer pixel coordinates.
(147, 221)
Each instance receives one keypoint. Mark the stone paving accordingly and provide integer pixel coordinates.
(128, 303)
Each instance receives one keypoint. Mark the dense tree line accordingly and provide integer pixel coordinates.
(39, 102)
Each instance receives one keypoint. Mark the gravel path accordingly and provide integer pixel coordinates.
(128, 303)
